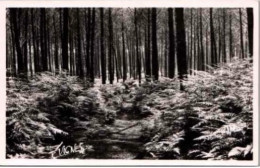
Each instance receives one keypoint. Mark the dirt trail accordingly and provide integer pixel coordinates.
(122, 139)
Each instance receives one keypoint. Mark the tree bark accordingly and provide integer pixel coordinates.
(137, 48)
(224, 36)
(213, 48)
(65, 38)
(191, 40)
(13, 13)
(171, 57)
(202, 56)
(148, 50)
(92, 76)
(13, 44)
(124, 55)
(241, 34)
(43, 39)
(250, 27)
(79, 55)
(102, 47)
(230, 36)
(181, 45)
(155, 67)
(25, 45)
(110, 57)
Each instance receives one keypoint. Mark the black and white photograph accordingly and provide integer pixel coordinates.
(130, 83)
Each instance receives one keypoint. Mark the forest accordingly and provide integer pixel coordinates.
(129, 83)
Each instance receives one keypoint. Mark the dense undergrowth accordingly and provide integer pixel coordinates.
(210, 119)
(41, 113)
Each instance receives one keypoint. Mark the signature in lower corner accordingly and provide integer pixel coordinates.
(63, 150)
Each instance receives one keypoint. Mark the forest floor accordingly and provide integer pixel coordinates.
(64, 117)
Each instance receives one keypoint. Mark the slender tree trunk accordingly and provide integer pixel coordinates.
(148, 53)
(92, 73)
(219, 39)
(202, 56)
(25, 45)
(198, 42)
(191, 42)
(124, 55)
(13, 43)
(213, 48)
(79, 58)
(88, 32)
(181, 45)
(48, 46)
(43, 39)
(207, 44)
(17, 39)
(72, 71)
(56, 50)
(224, 36)
(194, 43)
(171, 57)
(241, 34)
(102, 39)
(166, 54)
(130, 58)
(110, 57)
(250, 27)
(29, 64)
(137, 49)
(230, 36)
(155, 67)
(65, 38)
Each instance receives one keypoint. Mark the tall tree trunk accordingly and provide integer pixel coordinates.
(79, 58)
(207, 44)
(72, 70)
(191, 40)
(130, 58)
(30, 57)
(202, 56)
(25, 45)
(88, 32)
(65, 38)
(198, 42)
(110, 56)
(48, 46)
(13, 13)
(250, 27)
(148, 50)
(92, 76)
(171, 57)
(219, 38)
(230, 36)
(13, 43)
(43, 39)
(241, 34)
(56, 47)
(124, 56)
(137, 48)
(166, 53)
(155, 67)
(195, 44)
(181, 45)
(102, 47)
(213, 48)
(224, 36)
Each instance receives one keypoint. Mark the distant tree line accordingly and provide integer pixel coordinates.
(122, 43)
